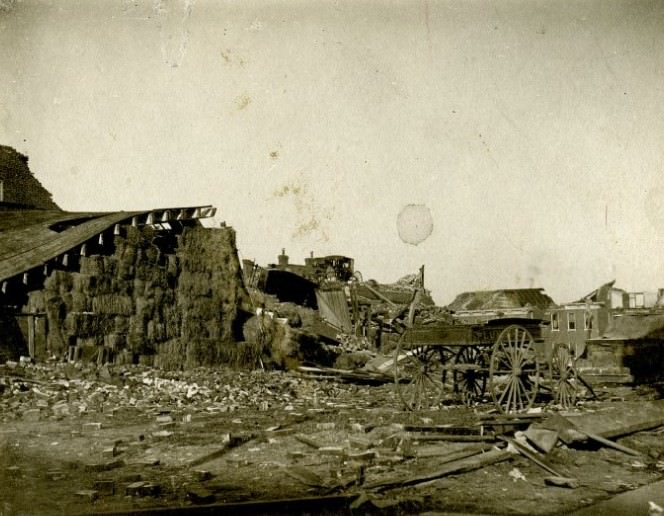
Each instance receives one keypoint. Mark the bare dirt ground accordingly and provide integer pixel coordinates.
(77, 440)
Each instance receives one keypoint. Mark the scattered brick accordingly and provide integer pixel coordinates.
(143, 488)
(131, 478)
(325, 426)
(200, 496)
(162, 434)
(32, 415)
(104, 466)
(89, 494)
(104, 487)
(202, 475)
(332, 450)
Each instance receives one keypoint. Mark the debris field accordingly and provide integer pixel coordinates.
(79, 439)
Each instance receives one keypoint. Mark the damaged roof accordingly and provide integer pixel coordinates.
(634, 327)
(31, 238)
(501, 299)
(598, 295)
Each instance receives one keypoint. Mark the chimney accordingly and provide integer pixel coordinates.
(283, 258)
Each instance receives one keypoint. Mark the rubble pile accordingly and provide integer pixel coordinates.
(127, 436)
(401, 291)
(433, 315)
(56, 391)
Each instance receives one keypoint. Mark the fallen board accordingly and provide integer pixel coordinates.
(455, 467)
(631, 503)
(622, 419)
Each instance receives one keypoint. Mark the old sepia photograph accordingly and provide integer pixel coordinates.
(331, 257)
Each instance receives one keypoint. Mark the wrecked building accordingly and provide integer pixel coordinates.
(151, 286)
(631, 350)
(342, 303)
(297, 283)
(616, 334)
(482, 306)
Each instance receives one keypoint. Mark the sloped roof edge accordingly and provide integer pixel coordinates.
(34, 244)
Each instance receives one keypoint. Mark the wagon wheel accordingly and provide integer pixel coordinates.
(419, 376)
(514, 370)
(470, 374)
(564, 379)
(447, 358)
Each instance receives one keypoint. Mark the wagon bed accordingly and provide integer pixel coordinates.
(504, 358)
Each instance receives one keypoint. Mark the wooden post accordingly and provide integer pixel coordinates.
(31, 336)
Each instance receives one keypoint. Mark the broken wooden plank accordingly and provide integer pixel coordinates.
(306, 476)
(570, 483)
(232, 442)
(531, 456)
(458, 438)
(544, 440)
(445, 455)
(328, 504)
(455, 467)
(445, 429)
(611, 444)
(511, 417)
(309, 442)
(569, 433)
(620, 420)
(345, 374)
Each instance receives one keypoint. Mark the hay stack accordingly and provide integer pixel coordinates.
(209, 291)
(112, 304)
(138, 301)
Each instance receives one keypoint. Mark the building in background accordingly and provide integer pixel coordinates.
(481, 306)
(615, 335)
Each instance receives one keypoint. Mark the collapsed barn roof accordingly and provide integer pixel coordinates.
(32, 238)
(34, 231)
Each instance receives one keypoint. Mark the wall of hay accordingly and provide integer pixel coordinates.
(144, 302)
(209, 294)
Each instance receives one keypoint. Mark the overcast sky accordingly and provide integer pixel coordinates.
(532, 131)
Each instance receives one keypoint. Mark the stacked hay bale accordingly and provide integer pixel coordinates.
(142, 305)
(91, 308)
(209, 293)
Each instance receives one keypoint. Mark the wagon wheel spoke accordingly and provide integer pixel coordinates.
(418, 376)
(564, 379)
(446, 357)
(513, 370)
(470, 382)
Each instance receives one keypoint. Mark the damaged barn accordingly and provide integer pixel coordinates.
(152, 286)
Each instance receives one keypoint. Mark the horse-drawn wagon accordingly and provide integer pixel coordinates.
(506, 359)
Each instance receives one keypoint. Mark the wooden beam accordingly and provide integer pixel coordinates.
(455, 467)
(529, 455)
